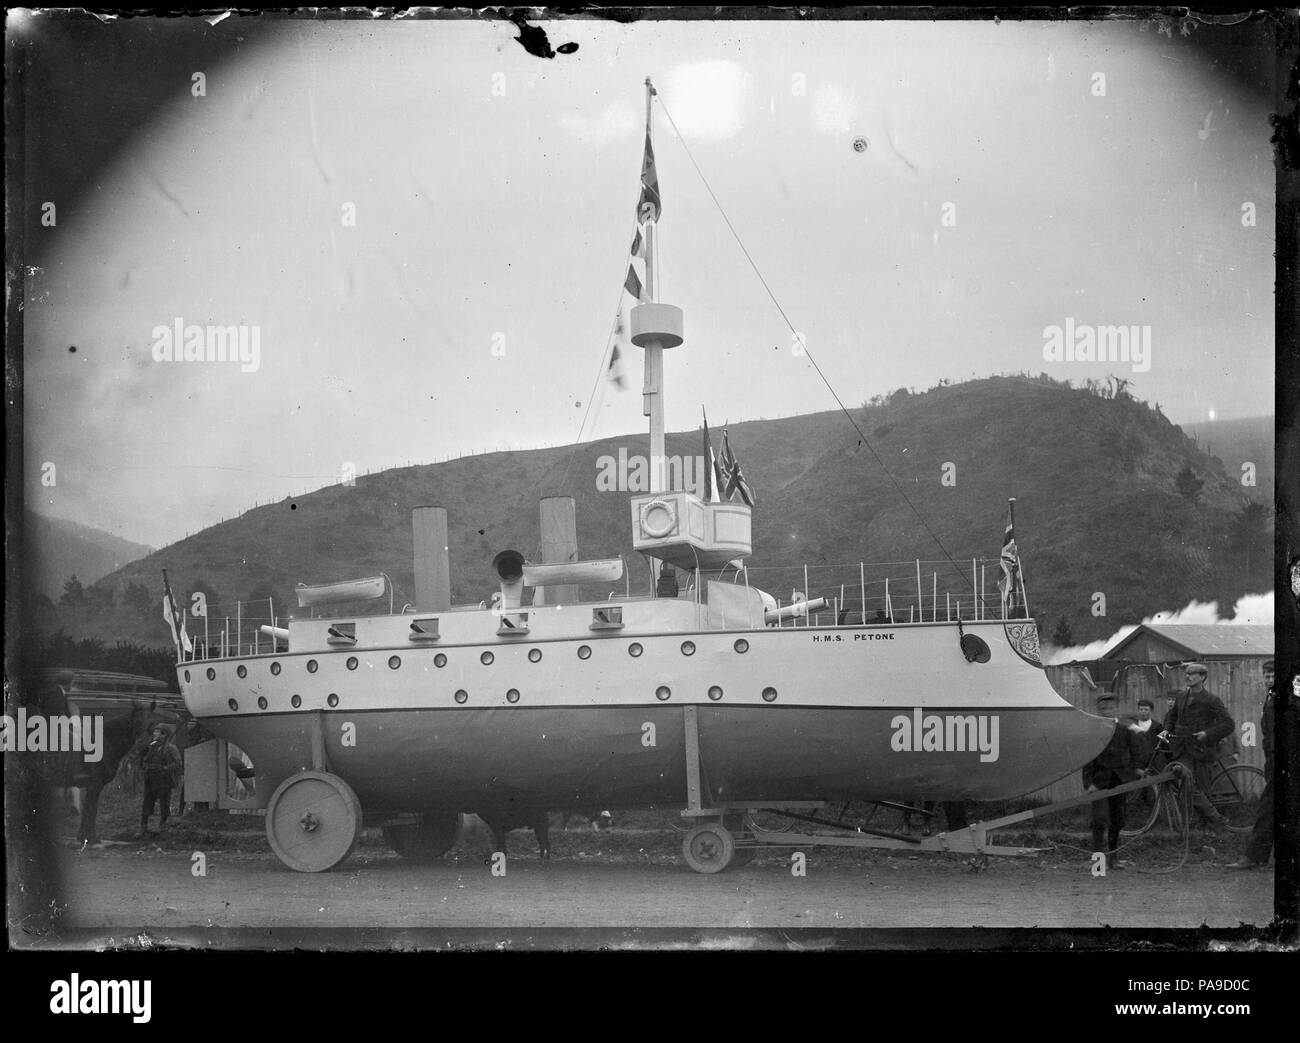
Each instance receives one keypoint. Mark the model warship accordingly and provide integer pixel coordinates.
(696, 695)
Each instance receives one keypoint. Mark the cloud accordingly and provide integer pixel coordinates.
(1249, 609)
(614, 122)
(706, 99)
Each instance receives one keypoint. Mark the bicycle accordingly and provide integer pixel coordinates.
(1234, 790)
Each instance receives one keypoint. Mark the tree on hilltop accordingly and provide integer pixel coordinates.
(1062, 636)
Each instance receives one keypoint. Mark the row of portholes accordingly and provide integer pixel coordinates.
(487, 659)
(663, 693)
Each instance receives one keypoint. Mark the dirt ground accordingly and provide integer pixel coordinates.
(630, 877)
(131, 888)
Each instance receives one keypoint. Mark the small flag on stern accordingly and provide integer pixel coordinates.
(648, 207)
(734, 477)
(175, 621)
(1009, 580)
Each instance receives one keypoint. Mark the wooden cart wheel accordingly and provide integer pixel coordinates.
(426, 840)
(708, 848)
(313, 821)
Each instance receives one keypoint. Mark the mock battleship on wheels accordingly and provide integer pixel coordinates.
(696, 696)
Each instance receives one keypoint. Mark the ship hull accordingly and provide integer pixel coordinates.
(562, 757)
(801, 714)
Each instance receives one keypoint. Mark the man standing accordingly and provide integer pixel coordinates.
(1196, 724)
(1114, 766)
(1260, 846)
(160, 766)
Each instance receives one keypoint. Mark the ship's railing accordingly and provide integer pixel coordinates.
(887, 592)
(233, 629)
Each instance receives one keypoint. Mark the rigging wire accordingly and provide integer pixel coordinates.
(807, 354)
(595, 388)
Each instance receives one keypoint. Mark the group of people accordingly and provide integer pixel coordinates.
(1194, 725)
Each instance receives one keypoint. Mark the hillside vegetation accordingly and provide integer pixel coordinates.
(1112, 498)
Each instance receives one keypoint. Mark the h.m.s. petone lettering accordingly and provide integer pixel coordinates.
(945, 733)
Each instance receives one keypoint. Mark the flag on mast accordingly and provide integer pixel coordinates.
(648, 207)
(175, 620)
(731, 472)
(712, 475)
(1009, 580)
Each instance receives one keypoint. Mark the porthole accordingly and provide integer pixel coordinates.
(333, 699)
(352, 662)
(769, 695)
(512, 695)
(394, 661)
(487, 659)
(975, 649)
(261, 702)
(741, 645)
(212, 674)
(534, 655)
(241, 670)
(312, 665)
(715, 693)
(663, 693)
(233, 705)
(584, 651)
(187, 677)
(688, 648)
(635, 649)
(296, 701)
(461, 695)
(275, 669)
(440, 660)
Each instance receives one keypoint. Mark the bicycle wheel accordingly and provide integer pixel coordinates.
(1144, 808)
(1235, 791)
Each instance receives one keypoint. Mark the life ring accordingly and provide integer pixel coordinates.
(658, 532)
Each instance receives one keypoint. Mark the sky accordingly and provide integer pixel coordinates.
(428, 228)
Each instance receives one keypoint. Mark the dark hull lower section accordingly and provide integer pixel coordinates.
(625, 757)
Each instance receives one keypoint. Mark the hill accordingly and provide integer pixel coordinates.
(60, 549)
(1236, 442)
(1099, 510)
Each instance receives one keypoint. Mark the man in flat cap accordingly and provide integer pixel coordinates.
(1196, 724)
(1260, 846)
(161, 768)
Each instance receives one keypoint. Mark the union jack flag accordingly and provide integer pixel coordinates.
(731, 474)
(1009, 581)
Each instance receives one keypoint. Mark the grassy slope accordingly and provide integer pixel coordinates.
(1097, 509)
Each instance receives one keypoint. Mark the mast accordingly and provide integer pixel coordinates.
(655, 326)
(652, 395)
